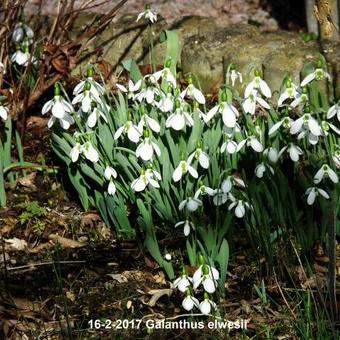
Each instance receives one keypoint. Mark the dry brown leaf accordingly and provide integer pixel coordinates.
(66, 242)
(28, 181)
(118, 277)
(16, 243)
(89, 219)
(157, 294)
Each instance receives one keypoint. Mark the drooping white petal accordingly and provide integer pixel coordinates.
(211, 113)
(198, 95)
(75, 151)
(192, 171)
(323, 193)
(308, 79)
(134, 134)
(311, 196)
(153, 124)
(263, 103)
(332, 175)
(111, 188)
(226, 185)
(90, 152)
(92, 119)
(46, 108)
(204, 160)
(319, 175)
(314, 127)
(240, 209)
(265, 89)
(255, 144)
(205, 307)
(296, 126)
(177, 175)
(209, 285)
(228, 117)
(58, 109)
(138, 184)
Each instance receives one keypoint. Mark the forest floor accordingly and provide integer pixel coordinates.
(62, 267)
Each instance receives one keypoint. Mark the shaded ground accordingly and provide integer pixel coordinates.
(65, 268)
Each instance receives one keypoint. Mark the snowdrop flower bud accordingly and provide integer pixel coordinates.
(111, 188)
(233, 75)
(18, 34)
(272, 154)
(167, 257)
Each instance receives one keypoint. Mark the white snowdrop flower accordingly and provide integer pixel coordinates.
(228, 111)
(183, 282)
(272, 154)
(111, 189)
(190, 302)
(166, 103)
(148, 93)
(130, 129)
(132, 88)
(301, 99)
(204, 190)
(229, 146)
(75, 152)
(110, 172)
(3, 112)
(250, 141)
(187, 226)
(318, 74)
(290, 92)
(334, 110)
(313, 192)
(285, 122)
(233, 75)
(192, 92)
(20, 32)
(326, 126)
(166, 74)
(249, 104)
(146, 149)
(261, 169)
(90, 152)
(201, 156)
(94, 116)
(64, 122)
(207, 305)
(207, 276)
(191, 204)
(325, 171)
(149, 122)
(257, 83)
(182, 168)
(19, 57)
(180, 118)
(293, 150)
(91, 85)
(221, 195)
(2, 68)
(86, 98)
(239, 205)
(336, 158)
(307, 122)
(148, 14)
(149, 176)
(58, 105)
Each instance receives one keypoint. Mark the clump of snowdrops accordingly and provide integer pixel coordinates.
(157, 160)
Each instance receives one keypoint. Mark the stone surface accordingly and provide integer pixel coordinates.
(276, 54)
